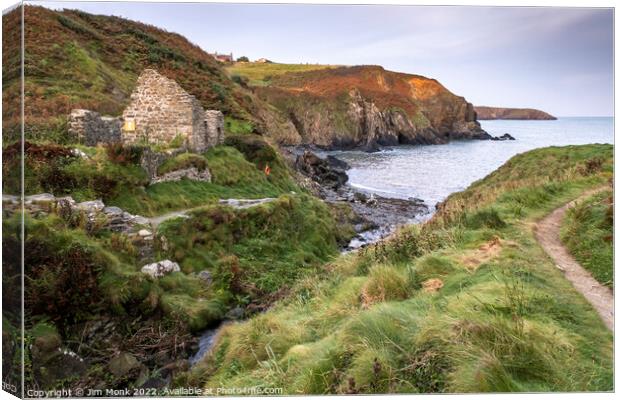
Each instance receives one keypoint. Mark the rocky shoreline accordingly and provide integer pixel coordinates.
(377, 216)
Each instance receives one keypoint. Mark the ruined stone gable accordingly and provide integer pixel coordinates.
(160, 111)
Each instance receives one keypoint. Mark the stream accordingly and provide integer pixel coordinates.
(205, 343)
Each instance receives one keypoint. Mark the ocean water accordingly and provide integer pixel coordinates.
(431, 173)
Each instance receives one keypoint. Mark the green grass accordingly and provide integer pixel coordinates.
(237, 171)
(257, 250)
(232, 176)
(587, 231)
(183, 161)
(237, 126)
(103, 279)
(505, 318)
(259, 74)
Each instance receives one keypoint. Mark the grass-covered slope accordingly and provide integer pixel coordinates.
(587, 230)
(257, 251)
(468, 302)
(81, 276)
(343, 106)
(261, 74)
(77, 278)
(74, 59)
(113, 174)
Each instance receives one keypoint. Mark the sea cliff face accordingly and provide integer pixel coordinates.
(485, 113)
(367, 106)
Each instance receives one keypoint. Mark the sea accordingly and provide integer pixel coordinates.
(433, 172)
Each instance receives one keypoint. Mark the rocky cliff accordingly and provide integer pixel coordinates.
(511, 113)
(367, 106)
(78, 60)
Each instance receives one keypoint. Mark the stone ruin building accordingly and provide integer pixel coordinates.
(159, 112)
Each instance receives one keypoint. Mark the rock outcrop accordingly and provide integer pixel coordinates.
(160, 268)
(367, 106)
(322, 171)
(485, 113)
(191, 173)
(505, 136)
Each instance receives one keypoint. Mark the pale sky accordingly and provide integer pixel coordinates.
(559, 60)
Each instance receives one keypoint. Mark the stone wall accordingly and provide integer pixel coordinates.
(151, 160)
(90, 128)
(160, 110)
(214, 124)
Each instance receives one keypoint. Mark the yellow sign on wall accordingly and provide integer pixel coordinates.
(130, 125)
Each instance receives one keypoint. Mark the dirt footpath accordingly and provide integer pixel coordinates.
(547, 233)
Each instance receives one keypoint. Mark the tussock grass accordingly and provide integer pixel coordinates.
(102, 280)
(254, 250)
(183, 161)
(587, 230)
(512, 324)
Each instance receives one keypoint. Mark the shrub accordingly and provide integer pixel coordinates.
(123, 155)
(237, 126)
(240, 80)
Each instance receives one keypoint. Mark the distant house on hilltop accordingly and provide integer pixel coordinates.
(263, 61)
(223, 57)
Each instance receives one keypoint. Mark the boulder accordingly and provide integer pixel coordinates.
(144, 232)
(43, 198)
(79, 153)
(321, 170)
(112, 210)
(360, 197)
(507, 136)
(337, 163)
(140, 220)
(10, 199)
(50, 362)
(160, 268)
(191, 173)
(235, 314)
(206, 277)
(92, 206)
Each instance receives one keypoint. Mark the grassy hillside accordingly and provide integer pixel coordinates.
(261, 74)
(385, 88)
(78, 60)
(344, 106)
(81, 275)
(113, 174)
(587, 230)
(467, 302)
